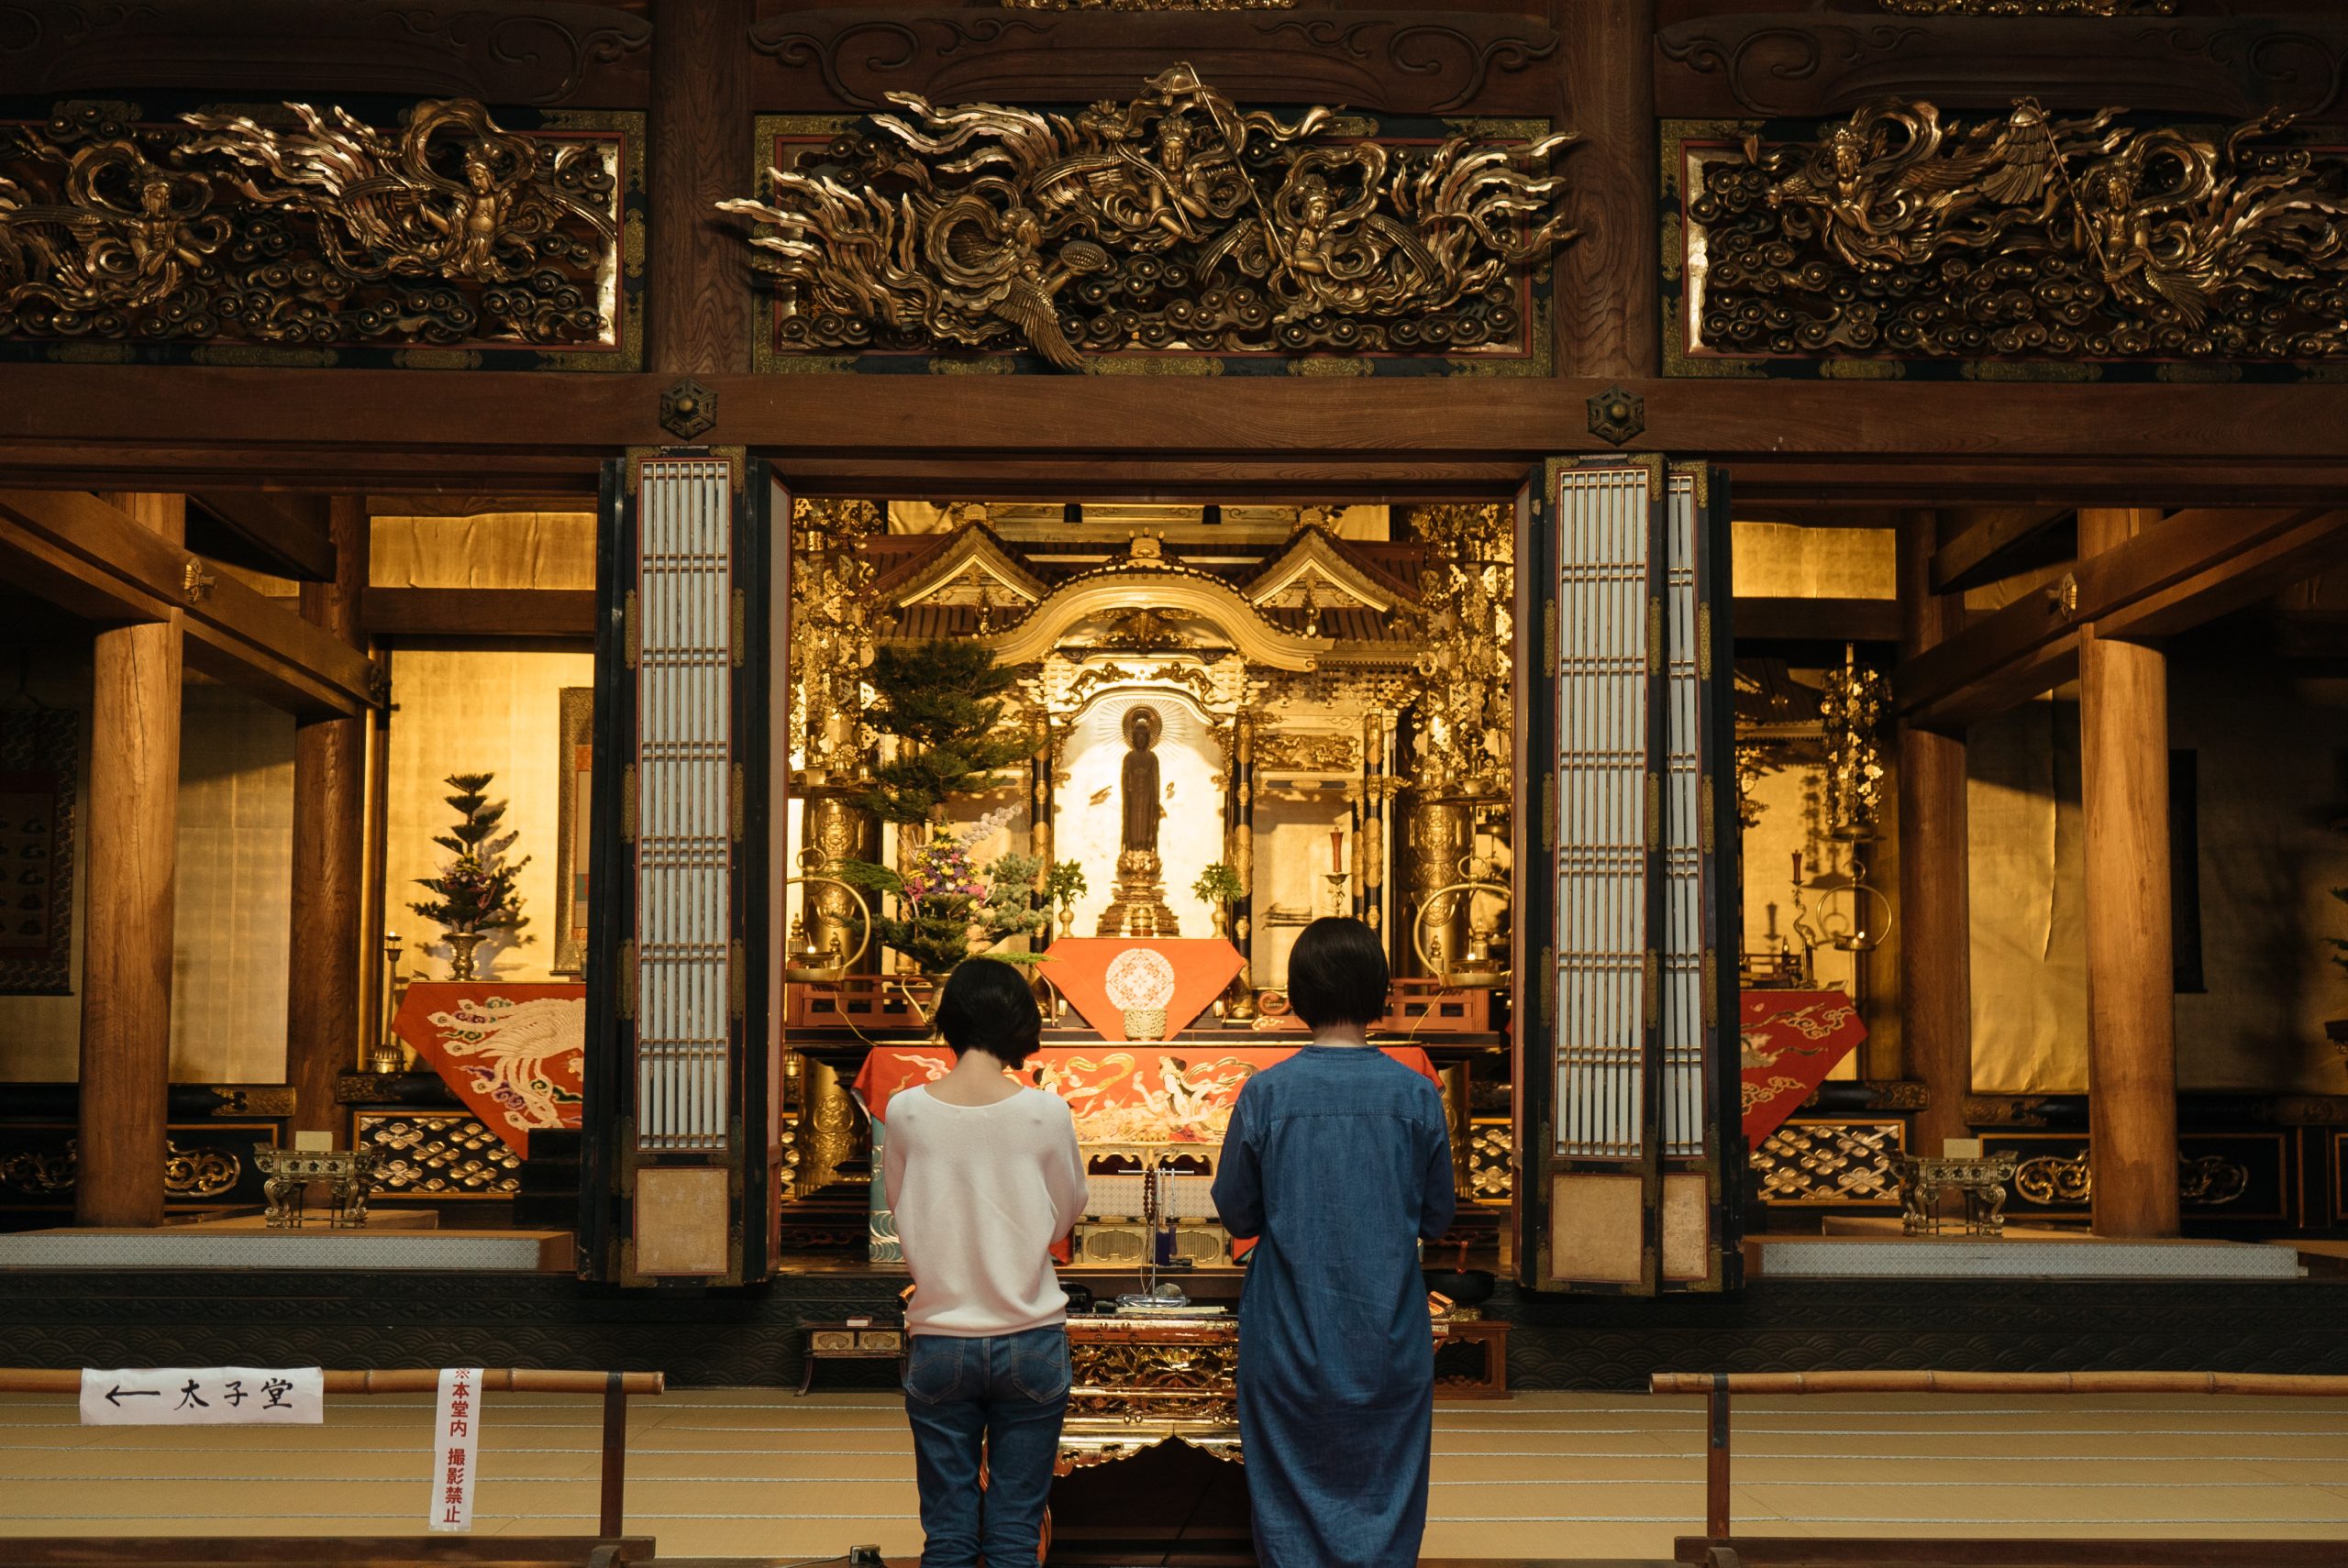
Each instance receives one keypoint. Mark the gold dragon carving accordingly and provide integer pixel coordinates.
(1175, 221)
(449, 229)
(2028, 236)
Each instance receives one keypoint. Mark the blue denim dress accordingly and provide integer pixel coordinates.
(1338, 1162)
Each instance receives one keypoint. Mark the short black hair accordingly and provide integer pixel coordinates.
(987, 1007)
(1337, 974)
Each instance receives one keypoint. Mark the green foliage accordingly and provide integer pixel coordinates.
(1063, 882)
(1218, 884)
(475, 891)
(942, 699)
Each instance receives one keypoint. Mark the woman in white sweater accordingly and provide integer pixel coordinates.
(984, 1176)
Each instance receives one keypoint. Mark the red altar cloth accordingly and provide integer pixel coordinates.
(1170, 1092)
(1096, 976)
(1787, 1043)
(511, 1051)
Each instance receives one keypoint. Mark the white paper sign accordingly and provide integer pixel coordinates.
(204, 1396)
(456, 1449)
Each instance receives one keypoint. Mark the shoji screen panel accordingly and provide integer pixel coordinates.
(1600, 831)
(1617, 1058)
(685, 649)
(1699, 885)
(678, 1066)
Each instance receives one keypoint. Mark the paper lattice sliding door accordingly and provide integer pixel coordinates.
(1627, 880)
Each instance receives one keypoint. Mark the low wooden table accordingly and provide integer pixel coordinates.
(871, 1341)
(1489, 1336)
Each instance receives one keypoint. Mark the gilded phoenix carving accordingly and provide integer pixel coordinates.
(1174, 222)
(447, 230)
(2024, 237)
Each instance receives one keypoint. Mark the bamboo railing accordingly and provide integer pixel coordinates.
(614, 1387)
(1718, 1387)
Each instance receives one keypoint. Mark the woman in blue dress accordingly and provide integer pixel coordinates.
(1338, 1163)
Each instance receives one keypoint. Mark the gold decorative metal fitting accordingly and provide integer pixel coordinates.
(688, 409)
(1618, 417)
(2063, 597)
(2024, 235)
(1175, 221)
(195, 583)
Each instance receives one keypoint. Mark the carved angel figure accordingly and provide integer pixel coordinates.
(1356, 231)
(451, 195)
(2173, 222)
(1889, 188)
(124, 234)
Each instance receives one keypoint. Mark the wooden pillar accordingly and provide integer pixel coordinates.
(697, 304)
(324, 982)
(1607, 320)
(2131, 1038)
(131, 838)
(1935, 916)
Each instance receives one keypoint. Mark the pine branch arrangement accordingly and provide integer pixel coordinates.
(475, 890)
(944, 699)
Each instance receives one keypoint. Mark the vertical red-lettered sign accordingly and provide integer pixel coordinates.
(456, 1449)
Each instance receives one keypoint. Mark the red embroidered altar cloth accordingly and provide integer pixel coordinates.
(1102, 976)
(1157, 1093)
(1787, 1043)
(512, 1051)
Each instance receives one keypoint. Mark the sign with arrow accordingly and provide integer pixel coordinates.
(204, 1396)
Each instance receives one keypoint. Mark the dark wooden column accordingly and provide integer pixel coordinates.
(697, 302)
(1935, 919)
(1606, 301)
(132, 838)
(329, 794)
(2132, 1033)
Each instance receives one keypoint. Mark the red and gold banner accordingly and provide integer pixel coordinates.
(1120, 1094)
(1787, 1043)
(511, 1051)
(1104, 976)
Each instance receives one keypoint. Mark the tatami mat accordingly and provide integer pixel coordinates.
(758, 1473)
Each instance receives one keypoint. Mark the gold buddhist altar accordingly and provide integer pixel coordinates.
(1141, 1380)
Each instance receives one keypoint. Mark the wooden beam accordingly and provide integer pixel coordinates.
(1606, 301)
(324, 972)
(2131, 1000)
(1935, 871)
(698, 307)
(1817, 620)
(1982, 539)
(2009, 652)
(481, 611)
(287, 534)
(95, 555)
(2236, 583)
(132, 840)
(392, 422)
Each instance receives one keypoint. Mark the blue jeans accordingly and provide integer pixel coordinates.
(998, 1399)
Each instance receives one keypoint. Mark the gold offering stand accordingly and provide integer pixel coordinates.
(1139, 1381)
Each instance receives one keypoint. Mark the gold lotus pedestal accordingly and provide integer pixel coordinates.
(1137, 906)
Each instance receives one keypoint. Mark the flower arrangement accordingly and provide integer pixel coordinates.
(948, 906)
(475, 890)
